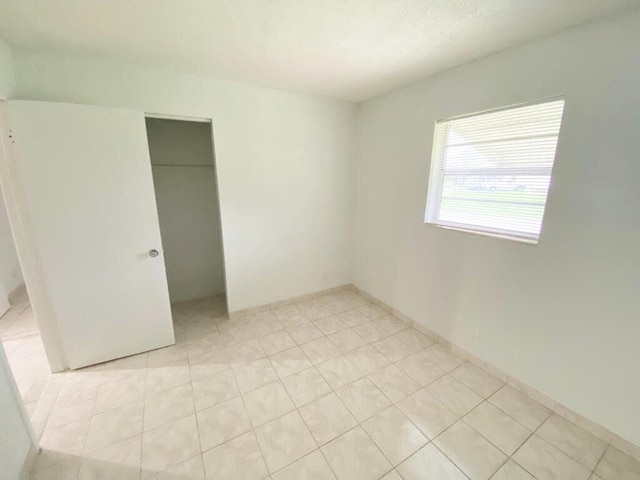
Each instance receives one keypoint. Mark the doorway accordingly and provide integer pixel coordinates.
(19, 332)
(185, 184)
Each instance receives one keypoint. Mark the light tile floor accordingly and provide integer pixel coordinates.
(25, 353)
(327, 388)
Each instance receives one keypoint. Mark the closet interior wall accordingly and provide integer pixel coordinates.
(182, 160)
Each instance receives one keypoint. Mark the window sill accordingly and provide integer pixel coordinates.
(527, 241)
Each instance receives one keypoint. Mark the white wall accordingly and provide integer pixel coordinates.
(187, 197)
(562, 316)
(10, 273)
(15, 439)
(7, 78)
(283, 164)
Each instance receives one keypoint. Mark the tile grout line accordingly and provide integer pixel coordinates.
(253, 430)
(144, 409)
(360, 424)
(281, 378)
(297, 409)
(509, 457)
(392, 403)
(459, 419)
(293, 403)
(534, 432)
(344, 353)
(593, 472)
(282, 327)
(195, 414)
(510, 416)
(584, 423)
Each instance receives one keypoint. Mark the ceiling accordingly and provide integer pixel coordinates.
(346, 49)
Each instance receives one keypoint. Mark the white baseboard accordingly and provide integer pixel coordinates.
(270, 306)
(599, 431)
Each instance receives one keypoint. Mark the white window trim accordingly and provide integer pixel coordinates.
(435, 186)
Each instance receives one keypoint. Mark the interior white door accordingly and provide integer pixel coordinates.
(86, 176)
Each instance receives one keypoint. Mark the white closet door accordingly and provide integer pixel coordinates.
(86, 177)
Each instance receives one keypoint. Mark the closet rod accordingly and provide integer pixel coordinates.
(180, 165)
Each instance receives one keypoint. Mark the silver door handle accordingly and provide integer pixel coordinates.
(153, 253)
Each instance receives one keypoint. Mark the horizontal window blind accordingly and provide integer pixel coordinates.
(490, 172)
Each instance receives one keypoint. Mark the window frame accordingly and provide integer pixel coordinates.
(437, 181)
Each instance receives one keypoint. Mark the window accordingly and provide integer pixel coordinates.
(490, 172)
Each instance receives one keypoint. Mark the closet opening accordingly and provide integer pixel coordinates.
(186, 188)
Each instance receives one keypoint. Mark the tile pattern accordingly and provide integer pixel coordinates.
(22, 344)
(331, 387)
